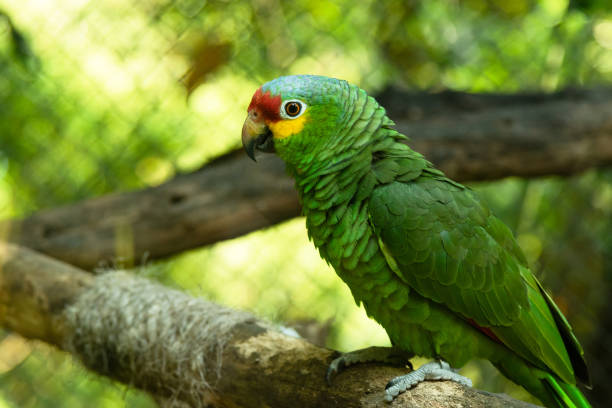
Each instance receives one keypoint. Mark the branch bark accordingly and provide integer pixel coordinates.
(120, 325)
(470, 137)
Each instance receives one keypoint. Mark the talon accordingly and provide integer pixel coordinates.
(329, 375)
(336, 366)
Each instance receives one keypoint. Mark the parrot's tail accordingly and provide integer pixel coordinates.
(548, 388)
(563, 394)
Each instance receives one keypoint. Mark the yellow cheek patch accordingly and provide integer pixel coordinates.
(287, 127)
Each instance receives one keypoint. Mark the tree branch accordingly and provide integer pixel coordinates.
(487, 137)
(187, 350)
(470, 137)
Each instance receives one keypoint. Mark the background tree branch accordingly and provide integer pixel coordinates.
(187, 350)
(469, 136)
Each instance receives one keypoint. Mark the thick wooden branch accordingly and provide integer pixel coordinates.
(186, 350)
(471, 137)
(226, 199)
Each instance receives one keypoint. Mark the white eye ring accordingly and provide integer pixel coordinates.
(290, 103)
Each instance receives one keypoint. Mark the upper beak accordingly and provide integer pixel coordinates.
(256, 135)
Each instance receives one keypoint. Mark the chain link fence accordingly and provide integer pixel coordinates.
(105, 96)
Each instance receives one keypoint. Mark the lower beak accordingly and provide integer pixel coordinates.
(256, 135)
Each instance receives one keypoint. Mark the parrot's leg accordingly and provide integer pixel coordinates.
(387, 355)
(436, 370)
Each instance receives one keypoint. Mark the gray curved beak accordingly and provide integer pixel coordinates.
(256, 136)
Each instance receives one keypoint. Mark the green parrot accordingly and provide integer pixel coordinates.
(444, 277)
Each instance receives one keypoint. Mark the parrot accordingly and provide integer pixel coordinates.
(424, 254)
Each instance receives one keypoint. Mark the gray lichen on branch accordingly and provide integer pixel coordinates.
(153, 337)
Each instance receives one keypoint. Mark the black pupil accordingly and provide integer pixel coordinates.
(292, 108)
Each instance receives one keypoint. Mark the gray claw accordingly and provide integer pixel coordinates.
(334, 368)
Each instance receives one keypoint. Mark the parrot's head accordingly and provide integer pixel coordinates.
(295, 116)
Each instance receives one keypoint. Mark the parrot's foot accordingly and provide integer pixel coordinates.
(387, 355)
(436, 370)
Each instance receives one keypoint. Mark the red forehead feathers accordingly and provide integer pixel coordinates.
(266, 104)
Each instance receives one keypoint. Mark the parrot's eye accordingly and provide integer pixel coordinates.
(292, 109)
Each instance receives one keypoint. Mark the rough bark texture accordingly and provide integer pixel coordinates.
(486, 137)
(471, 137)
(34, 290)
(259, 366)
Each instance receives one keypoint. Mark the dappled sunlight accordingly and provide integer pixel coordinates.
(602, 31)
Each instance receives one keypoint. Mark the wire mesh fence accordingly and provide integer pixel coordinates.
(107, 96)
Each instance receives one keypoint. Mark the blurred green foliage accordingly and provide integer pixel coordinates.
(97, 97)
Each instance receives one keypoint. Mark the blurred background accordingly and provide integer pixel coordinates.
(106, 96)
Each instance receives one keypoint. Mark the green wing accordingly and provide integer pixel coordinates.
(445, 244)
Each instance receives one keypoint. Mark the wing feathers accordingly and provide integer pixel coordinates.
(447, 246)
